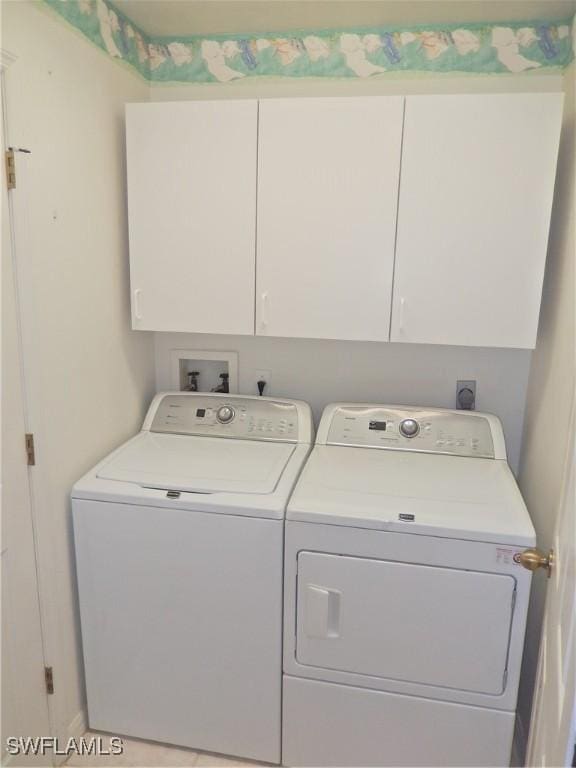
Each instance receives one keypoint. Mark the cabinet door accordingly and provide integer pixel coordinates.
(474, 212)
(192, 212)
(327, 196)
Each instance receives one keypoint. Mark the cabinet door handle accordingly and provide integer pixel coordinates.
(137, 312)
(401, 315)
(264, 310)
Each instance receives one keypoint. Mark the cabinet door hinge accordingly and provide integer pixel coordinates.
(30, 452)
(10, 169)
(49, 678)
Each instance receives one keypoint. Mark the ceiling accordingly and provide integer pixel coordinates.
(206, 17)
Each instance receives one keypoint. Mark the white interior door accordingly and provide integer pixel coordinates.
(24, 700)
(192, 215)
(327, 196)
(553, 727)
(476, 194)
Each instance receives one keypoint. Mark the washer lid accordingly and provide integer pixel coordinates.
(449, 496)
(199, 464)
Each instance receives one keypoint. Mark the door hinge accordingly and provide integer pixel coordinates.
(30, 451)
(49, 678)
(11, 165)
(10, 169)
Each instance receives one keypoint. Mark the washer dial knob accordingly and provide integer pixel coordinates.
(225, 414)
(409, 427)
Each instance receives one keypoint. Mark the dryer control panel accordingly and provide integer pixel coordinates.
(410, 429)
(225, 416)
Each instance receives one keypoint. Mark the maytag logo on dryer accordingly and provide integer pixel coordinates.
(506, 556)
(406, 518)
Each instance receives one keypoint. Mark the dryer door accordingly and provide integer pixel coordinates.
(417, 623)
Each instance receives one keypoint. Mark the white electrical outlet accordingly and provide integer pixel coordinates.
(261, 375)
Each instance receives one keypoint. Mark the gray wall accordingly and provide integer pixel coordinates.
(321, 372)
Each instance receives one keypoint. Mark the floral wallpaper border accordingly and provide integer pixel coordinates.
(472, 48)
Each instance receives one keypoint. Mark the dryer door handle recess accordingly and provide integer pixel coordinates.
(322, 612)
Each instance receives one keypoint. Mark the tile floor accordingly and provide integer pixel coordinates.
(149, 754)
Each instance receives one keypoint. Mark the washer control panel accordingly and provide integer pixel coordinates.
(414, 429)
(226, 416)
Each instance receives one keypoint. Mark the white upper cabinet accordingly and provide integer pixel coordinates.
(475, 199)
(421, 219)
(192, 210)
(327, 194)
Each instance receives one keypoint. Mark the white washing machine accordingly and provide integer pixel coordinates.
(179, 537)
(405, 609)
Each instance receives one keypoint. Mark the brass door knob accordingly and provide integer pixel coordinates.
(532, 559)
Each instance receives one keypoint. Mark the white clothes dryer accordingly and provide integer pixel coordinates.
(179, 546)
(405, 608)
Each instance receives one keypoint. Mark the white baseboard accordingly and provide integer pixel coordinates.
(519, 744)
(76, 729)
(78, 725)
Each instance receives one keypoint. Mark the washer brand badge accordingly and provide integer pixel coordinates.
(406, 517)
(505, 556)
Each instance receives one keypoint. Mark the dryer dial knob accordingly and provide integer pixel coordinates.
(409, 427)
(225, 414)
